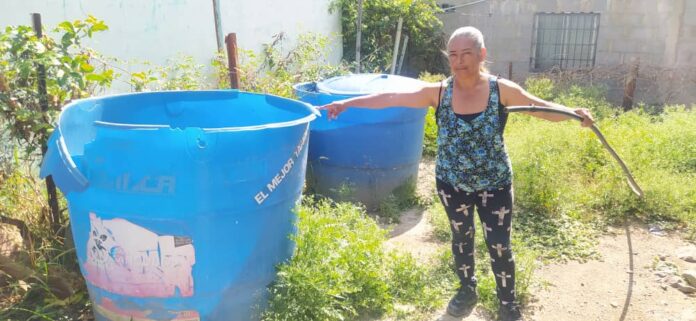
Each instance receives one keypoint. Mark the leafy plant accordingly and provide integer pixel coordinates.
(37, 77)
(275, 71)
(180, 73)
(379, 23)
(540, 87)
(340, 270)
(69, 74)
(592, 97)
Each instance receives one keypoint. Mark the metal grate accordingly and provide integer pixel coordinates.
(565, 40)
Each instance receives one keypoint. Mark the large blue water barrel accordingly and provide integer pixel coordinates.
(181, 202)
(365, 155)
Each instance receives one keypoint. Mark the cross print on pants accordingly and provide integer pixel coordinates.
(464, 209)
(444, 197)
(460, 245)
(486, 229)
(456, 225)
(504, 276)
(495, 210)
(501, 215)
(484, 197)
(499, 247)
(464, 268)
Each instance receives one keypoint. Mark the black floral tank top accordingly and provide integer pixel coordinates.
(471, 154)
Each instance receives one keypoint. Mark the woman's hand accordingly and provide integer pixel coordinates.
(587, 119)
(333, 109)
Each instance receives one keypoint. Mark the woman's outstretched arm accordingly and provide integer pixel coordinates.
(513, 95)
(420, 98)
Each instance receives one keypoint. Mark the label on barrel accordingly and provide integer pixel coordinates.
(127, 259)
(109, 310)
(262, 195)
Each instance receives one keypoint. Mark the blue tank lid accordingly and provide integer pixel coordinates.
(363, 84)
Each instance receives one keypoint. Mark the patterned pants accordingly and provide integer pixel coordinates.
(494, 208)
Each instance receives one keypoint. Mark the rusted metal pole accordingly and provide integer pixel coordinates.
(56, 221)
(232, 59)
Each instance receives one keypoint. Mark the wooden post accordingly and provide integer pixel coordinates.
(403, 53)
(232, 59)
(218, 24)
(358, 36)
(630, 85)
(41, 71)
(56, 221)
(396, 45)
(510, 70)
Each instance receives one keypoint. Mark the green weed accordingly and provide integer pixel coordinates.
(340, 270)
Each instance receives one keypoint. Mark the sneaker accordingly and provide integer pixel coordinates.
(509, 312)
(463, 302)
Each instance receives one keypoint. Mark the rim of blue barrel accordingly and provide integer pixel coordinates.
(359, 84)
(313, 112)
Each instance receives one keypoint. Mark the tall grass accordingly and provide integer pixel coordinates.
(562, 169)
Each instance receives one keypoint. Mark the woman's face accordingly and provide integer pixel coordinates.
(463, 55)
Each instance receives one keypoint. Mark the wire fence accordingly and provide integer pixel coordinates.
(653, 85)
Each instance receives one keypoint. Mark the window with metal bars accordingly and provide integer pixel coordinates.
(566, 40)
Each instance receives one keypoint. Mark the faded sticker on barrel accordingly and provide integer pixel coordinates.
(127, 259)
(109, 310)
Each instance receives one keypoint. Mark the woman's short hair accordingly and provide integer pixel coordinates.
(468, 32)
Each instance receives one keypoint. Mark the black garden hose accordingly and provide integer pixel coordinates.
(631, 182)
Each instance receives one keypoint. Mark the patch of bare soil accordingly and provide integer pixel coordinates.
(623, 285)
(413, 232)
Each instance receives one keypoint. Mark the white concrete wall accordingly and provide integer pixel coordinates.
(157, 30)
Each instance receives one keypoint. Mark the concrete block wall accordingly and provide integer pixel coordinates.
(686, 50)
(658, 33)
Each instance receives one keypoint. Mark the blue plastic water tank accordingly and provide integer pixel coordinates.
(364, 155)
(181, 202)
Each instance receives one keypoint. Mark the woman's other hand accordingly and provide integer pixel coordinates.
(587, 119)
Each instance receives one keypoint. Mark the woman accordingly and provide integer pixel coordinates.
(473, 169)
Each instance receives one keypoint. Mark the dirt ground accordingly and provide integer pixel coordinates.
(622, 285)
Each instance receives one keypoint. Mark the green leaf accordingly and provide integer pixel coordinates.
(67, 40)
(66, 26)
(99, 26)
(95, 77)
(86, 67)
